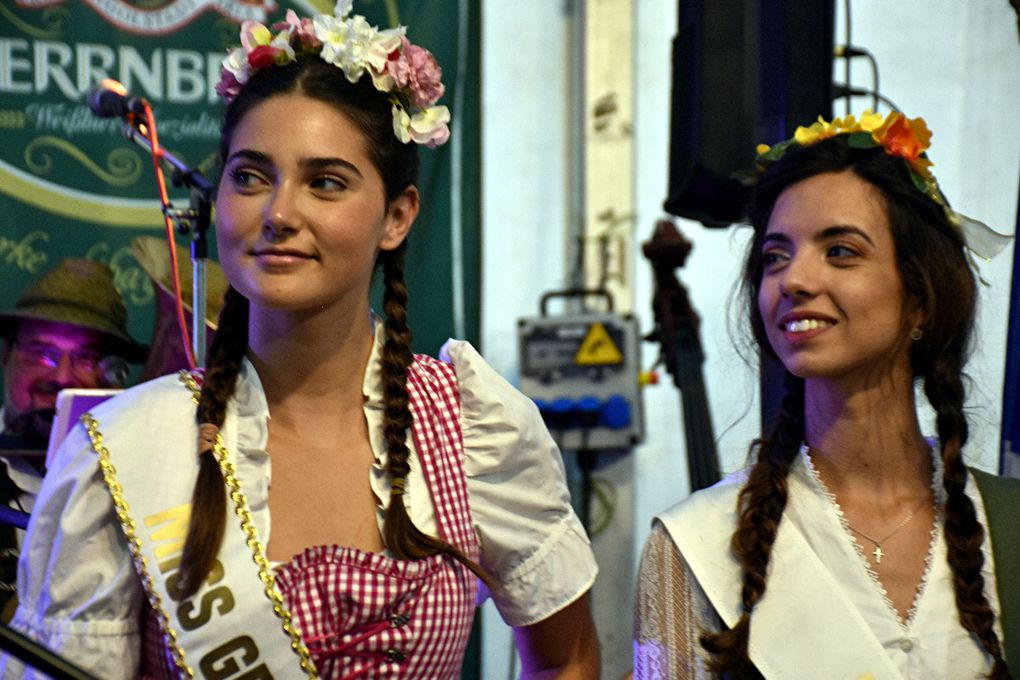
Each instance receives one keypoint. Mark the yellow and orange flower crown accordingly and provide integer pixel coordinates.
(902, 137)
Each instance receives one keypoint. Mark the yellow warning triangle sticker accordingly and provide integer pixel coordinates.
(598, 349)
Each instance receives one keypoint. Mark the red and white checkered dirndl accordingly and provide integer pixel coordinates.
(365, 615)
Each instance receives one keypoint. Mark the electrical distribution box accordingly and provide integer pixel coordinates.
(583, 373)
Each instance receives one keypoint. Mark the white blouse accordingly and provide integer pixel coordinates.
(78, 593)
(671, 608)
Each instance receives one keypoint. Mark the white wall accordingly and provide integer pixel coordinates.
(525, 93)
(955, 63)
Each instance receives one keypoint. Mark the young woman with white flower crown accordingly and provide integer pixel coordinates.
(852, 547)
(344, 495)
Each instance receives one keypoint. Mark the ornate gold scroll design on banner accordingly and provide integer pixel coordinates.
(57, 19)
(123, 166)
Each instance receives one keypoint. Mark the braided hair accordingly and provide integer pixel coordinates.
(398, 166)
(934, 268)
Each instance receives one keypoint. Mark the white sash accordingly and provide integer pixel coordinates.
(804, 626)
(229, 628)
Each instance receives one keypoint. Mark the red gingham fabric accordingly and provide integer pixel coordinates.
(157, 663)
(435, 403)
(365, 615)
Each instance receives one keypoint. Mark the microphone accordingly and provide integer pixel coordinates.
(849, 51)
(839, 91)
(110, 99)
(113, 372)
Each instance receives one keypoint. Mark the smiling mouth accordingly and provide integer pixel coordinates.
(280, 253)
(276, 259)
(805, 325)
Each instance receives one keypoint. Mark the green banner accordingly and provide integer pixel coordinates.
(71, 184)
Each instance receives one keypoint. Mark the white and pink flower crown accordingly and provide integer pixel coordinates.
(406, 72)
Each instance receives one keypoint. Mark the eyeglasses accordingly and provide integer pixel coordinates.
(83, 361)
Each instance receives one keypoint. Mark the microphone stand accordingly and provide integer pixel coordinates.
(196, 219)
(39, 657)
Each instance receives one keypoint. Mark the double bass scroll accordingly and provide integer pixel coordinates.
(676, 330)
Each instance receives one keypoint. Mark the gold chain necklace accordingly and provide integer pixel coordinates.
(877, 553)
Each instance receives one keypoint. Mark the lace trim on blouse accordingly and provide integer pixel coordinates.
(936, 528)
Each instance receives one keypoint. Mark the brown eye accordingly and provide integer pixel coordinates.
(773, 258)
(242, 177)
(329, 183)
(841, 251)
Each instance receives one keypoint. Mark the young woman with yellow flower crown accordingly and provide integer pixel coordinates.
(852, 547)
(396, 481)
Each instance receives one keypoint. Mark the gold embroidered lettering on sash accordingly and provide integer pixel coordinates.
(172, 580)
(167, 539)
(172, 527)
(220, 597)
(223, 662)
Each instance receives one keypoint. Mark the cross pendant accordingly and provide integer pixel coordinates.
(878, 554)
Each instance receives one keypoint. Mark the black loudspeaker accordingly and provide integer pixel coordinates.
(744, 72)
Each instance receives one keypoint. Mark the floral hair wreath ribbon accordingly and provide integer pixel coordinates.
(907, 138)
(406, 72)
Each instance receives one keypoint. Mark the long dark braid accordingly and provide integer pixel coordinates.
(760, 507)
(400, 534)
(209, 500)
(942, 273)
(963, 532)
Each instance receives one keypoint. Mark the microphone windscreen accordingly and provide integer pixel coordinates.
(113, 371)
(107, 99)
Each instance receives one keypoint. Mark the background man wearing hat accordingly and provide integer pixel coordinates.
(66, 330)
